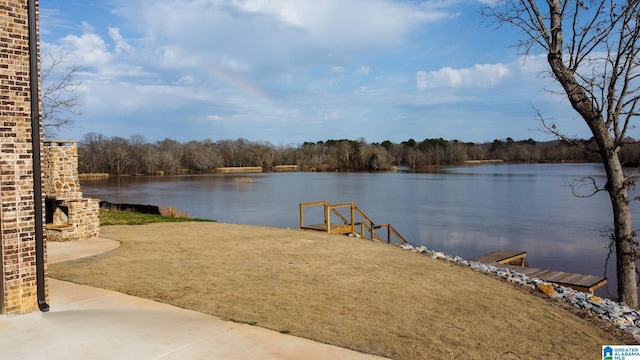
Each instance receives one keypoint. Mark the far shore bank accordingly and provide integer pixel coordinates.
(319, 168)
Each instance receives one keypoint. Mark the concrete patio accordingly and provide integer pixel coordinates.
(90, 323)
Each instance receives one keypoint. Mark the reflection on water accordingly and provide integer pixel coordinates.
(467, 210)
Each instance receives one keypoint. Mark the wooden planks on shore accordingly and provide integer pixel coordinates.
(507, 259)
(502, 257)
(580, 282)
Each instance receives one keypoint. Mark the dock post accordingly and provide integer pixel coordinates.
(301, 215)
(353, 225)
(327, 216)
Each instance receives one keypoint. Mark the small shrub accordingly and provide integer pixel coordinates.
(170, 211)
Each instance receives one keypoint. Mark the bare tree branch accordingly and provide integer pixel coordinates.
(589, 182)
(60, 98)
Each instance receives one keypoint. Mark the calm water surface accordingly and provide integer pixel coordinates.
(467, 211)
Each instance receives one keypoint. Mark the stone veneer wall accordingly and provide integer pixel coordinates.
(60, 168)
(84, 219)
(18, 286)
(61, 182)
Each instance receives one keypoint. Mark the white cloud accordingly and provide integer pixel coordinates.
(478, 76)
(421, 80)
(234, 64)
(87, 50)
(331, 115)
(122, 46)
(363, 70)
(86, 27)
(260, 34)
(346, 21)
(186, 80)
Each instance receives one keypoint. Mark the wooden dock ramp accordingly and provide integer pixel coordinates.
(507, 259)
(354, 222)
(502, 257)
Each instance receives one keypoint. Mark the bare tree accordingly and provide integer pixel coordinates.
(60, 99)
(91, 153)
(118, 155)
(592, 49)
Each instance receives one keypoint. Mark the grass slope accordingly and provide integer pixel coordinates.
(350, 292)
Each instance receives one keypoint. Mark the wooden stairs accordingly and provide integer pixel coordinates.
(355, 222)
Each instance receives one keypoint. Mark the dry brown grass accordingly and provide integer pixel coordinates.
(349, 292)
(170, 211)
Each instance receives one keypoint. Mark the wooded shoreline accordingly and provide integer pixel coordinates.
(98, 154)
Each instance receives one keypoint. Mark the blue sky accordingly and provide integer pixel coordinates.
(291, 71)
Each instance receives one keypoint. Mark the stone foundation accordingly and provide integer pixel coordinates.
(84, 223)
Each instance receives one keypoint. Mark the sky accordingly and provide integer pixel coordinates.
(289, 71)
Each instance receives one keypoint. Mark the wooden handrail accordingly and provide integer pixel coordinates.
(303, 205)
(391, 230)
(335, 211)
(349, 204)
(371, 226)
(356, 208)
(314, 203)
(367, 223)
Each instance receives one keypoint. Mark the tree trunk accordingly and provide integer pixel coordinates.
(623, 232)
(616, 184)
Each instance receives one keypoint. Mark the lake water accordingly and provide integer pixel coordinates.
(467, 210)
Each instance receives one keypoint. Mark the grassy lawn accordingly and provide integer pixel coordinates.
(349, 292)
(110, 217)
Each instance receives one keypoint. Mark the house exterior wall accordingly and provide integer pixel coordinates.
(18, 285)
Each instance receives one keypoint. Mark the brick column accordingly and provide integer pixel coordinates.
(18, 287)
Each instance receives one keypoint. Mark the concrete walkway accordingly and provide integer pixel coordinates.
(90, 323)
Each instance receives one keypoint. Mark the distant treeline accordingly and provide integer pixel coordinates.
(136, 156)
